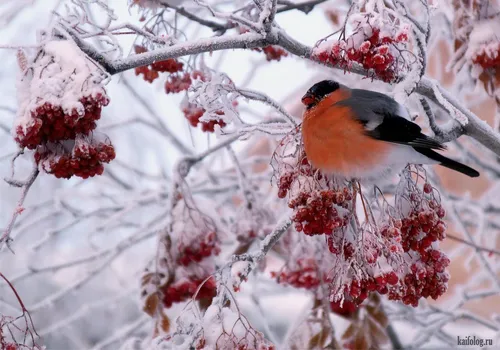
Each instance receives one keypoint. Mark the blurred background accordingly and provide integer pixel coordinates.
(81, 246)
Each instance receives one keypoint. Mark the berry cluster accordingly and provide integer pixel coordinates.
(152, 72)
(359, 290)
(305, 275)
(315, 214)
(199, 249)
(193, 115)
(61, 101)
(345, 308)
(177, 82)
(374, 53)
(421, 228)
(50, 123)
(337, 246)
(314, 209)
(288, 178)
(402, 242)
(185, 289)
(426, 279)
(488, 59)
(86, 159)
(226, 341)
(273, 53)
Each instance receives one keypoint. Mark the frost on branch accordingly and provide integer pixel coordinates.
(185, 261)
(212, 102)
(477, 46)
(221, 326)
(360, 245)
(60, 96)
(272, 52)
(151, 4)
(378, 42)
(17, 332)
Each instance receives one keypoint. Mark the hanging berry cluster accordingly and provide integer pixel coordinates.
(488, 57)
(395, 252)
(83, 157)
(187, 258)
(316, 210)
(152, 72)
(194, 113)
(60, 100)
(177, 80)
(220, 327)
(304, 274)
(272, 52)
(377, 48)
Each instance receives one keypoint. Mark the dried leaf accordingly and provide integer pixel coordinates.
(204, 303)
(151, 304)
(376, 313)
(319, 339)
(22, 60)
(361, 341)
(164, 322)
(146, 279)
(349, 332)
(377, 332)
(333, 16)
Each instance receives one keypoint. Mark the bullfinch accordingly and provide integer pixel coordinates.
(365, 135)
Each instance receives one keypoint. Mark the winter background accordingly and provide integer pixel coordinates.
(81, 246)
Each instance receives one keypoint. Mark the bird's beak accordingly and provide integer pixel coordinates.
(309, 99)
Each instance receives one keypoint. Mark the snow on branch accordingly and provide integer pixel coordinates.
(276, 36)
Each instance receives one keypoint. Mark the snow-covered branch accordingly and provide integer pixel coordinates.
(473, 126)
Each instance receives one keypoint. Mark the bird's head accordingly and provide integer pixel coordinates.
(319, 91)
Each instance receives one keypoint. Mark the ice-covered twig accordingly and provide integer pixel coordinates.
(450, 132)
(5, 239)
(258, 96)
(265, 246)
(217, 27)
(304, 6)
(29, 325)
(475, 127)
(473, 245)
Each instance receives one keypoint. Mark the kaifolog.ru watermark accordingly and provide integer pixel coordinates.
(474, 341)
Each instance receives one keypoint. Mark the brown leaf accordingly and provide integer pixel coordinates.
(146, 278)
(151, 304)
(319, 339)
(333, 16)
(377, 333)
(164, 322)
(377, 314)
(349, 332)
(22, 60)
(204, 303)
(361, 341)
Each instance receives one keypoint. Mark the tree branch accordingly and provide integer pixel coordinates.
(5, 238)
(473, 126)
(305, 6)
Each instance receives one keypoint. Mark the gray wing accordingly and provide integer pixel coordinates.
(373, 107)
(383, 119)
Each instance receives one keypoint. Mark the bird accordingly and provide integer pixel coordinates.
(365, 135)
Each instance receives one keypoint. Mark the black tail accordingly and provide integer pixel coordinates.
(447, 162)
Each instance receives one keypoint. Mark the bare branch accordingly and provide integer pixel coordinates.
(5, 239)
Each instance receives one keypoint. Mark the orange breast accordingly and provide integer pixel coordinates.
(335, 142)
